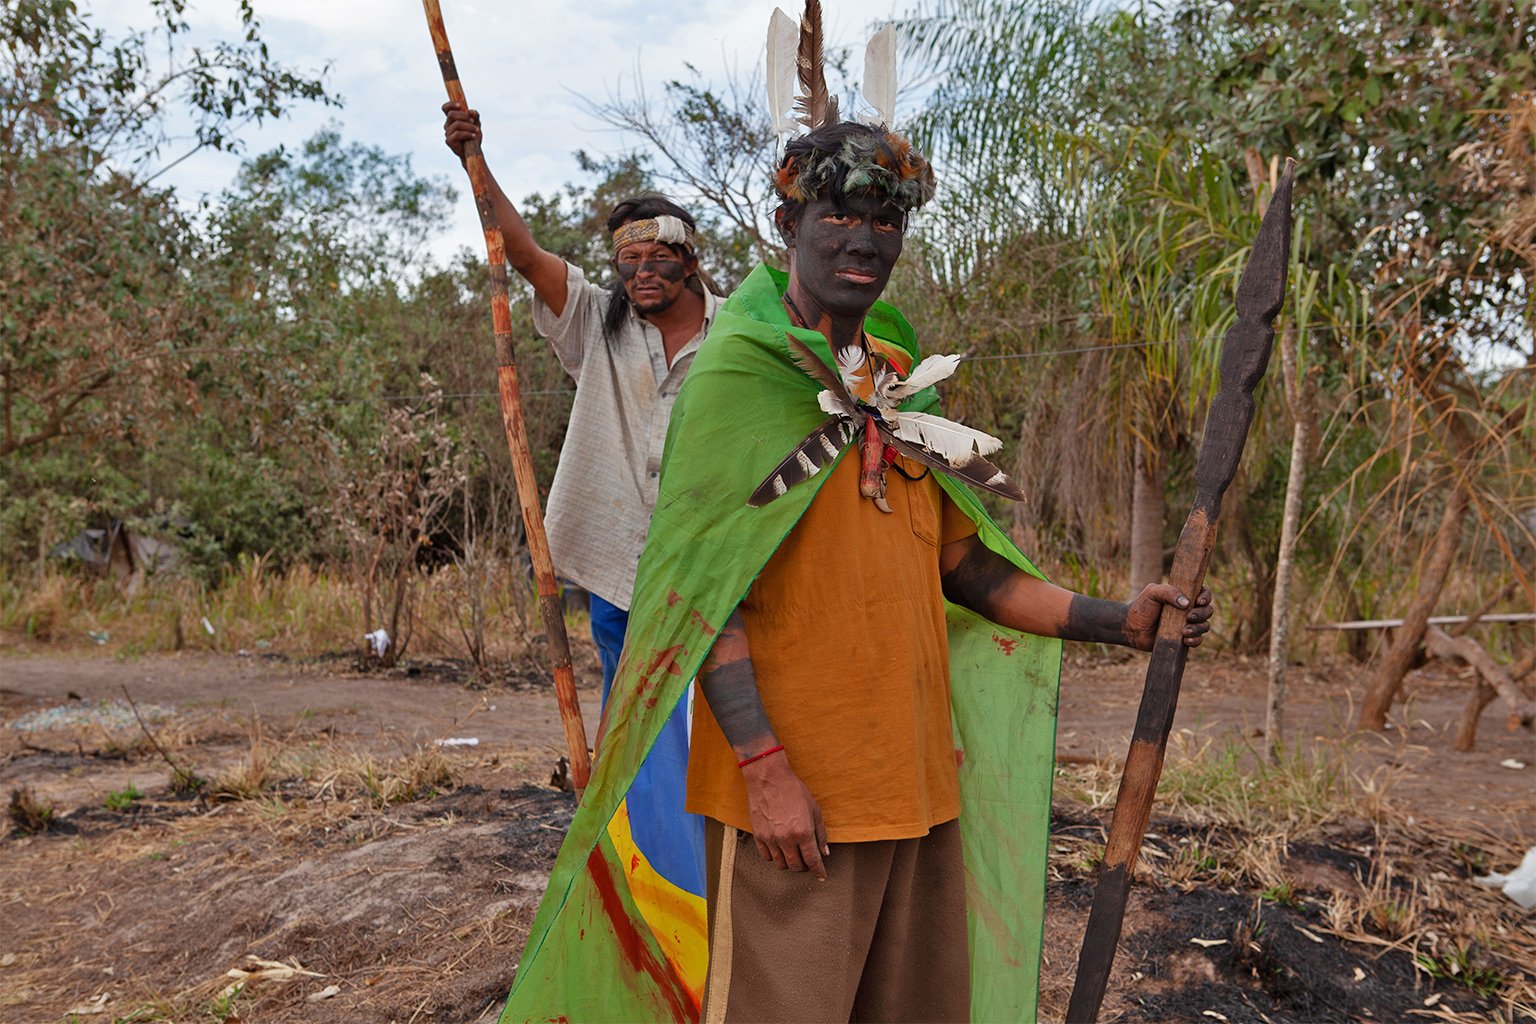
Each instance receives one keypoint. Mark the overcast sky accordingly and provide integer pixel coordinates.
(524, 64)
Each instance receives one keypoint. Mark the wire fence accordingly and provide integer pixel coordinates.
(995, 357)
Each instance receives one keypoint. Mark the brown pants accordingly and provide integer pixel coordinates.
(882, 939)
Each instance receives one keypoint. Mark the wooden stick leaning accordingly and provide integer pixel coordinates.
(1244, 357)
(512, 420)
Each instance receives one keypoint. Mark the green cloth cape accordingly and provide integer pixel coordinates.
(742, 407)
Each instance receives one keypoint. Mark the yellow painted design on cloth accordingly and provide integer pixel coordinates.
(675, 916)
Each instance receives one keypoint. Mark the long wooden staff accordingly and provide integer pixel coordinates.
(1244, 357)
(512, 419)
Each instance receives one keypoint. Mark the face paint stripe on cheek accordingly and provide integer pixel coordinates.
(667, 270)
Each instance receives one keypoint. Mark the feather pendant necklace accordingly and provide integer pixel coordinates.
(875, 456)
(874, 415)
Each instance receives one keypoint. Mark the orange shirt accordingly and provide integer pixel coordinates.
(848, 641)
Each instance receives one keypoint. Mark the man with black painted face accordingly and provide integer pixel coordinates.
(842, 252)
(824, 759)
(627, 347)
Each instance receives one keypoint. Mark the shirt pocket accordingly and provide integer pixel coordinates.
(924, 510)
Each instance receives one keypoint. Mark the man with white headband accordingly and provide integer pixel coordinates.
(627, 347)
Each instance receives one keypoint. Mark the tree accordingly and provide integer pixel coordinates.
(97, 319)
(1037, 100)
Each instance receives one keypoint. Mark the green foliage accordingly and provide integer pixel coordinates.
(224, 374)
(1284, 893)
(220, 372)
(98, 319)
(123, 799)
(1092, 201)
(223, 1007)
(1462, 964)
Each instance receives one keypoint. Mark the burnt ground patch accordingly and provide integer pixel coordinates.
(1273, 965)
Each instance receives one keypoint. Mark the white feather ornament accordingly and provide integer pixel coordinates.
(850, 360)
(880, 74)
(832, 405)
(783, 47)
(954, 442)
(886, 382)
(926, 374)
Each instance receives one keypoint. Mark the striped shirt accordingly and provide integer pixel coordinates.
(605, 485)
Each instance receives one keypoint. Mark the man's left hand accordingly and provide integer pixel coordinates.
(1143, 613)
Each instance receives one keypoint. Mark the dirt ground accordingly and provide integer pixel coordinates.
(414, 906)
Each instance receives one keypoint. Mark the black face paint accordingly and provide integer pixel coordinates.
(844, 253)
(654, 276)
(668, 270)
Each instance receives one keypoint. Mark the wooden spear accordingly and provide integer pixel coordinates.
(512, 419)
(1244, 357)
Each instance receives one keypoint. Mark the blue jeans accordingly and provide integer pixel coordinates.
(608, 625)
(671, 839)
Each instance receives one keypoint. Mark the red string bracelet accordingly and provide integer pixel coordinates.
(759, 757)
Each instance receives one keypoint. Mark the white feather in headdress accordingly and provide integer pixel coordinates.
(783, 45)
(835, 405)
(880, 75)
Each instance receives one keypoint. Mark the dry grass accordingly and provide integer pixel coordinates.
(417, 775)
(293, 771)
(252, 777)
(29, 814)
(1228, 782)
(302, 612)
(1237, 819)
(286, 793)
(1417, 898)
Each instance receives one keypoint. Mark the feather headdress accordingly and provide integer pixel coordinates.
(874, 159)
(796, 58)
(880, 75)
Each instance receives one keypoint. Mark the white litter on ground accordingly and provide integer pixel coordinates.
(1520, 884)
(378, 642)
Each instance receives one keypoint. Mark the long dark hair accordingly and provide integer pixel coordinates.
(641, 206)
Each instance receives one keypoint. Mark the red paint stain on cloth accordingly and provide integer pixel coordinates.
(632, 943)
(698, 620)
(673, 597)
(665, 658)
(1005, 645)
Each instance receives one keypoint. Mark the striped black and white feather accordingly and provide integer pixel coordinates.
(805, 460)
(934, 441)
